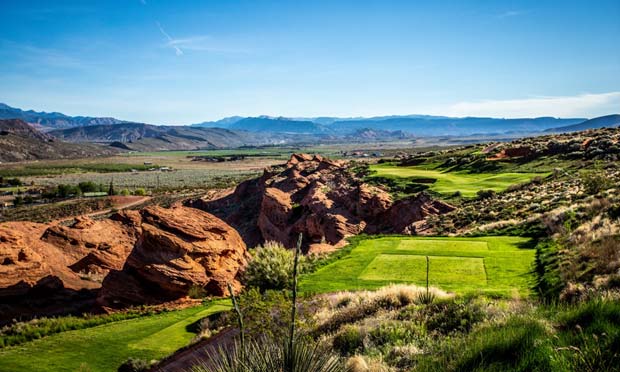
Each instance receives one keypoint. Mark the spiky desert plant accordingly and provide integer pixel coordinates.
(426, 297)
(239, 315)
(294, 299)
(268, 355)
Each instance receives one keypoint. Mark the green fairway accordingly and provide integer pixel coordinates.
(492, 265)
(449, 182)
(105, 347)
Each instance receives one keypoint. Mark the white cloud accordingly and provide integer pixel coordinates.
(511, 13)
(170, 43)
(583, 105)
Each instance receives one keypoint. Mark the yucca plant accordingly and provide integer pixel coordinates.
(268, 355)
(427, 297)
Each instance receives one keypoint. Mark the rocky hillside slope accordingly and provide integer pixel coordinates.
(52, 120)
(146, 257)
(320, 198)
(20, 141)
(146, 137)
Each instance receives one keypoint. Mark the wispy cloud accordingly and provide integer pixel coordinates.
(143, 2)
(203, 43)
(171, 41)
(583, 105)
(511, 13)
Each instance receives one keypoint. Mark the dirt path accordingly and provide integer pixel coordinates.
(120, 206)
(127, 204)
(185, 359)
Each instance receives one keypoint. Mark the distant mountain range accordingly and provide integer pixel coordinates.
(20, 141)
(608, 121)
(146, 137)
(417, 125)
(238, 131)
(52, 120)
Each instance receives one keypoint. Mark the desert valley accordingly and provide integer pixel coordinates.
(309, 186)
(410, 252)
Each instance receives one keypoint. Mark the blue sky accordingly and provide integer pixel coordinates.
(179, 62)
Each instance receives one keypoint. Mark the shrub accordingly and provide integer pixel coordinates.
(485, 194)
(88, 187)
(349, 340)
(403, 357)
(268, 313)
(594, 182)
(450, 316)
(271, 267)
(139, 192)
(394, 333)
(196, 291)
(14, 182)
(134, 365)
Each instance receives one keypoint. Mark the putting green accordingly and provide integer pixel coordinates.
(442, 270)
(498, 265)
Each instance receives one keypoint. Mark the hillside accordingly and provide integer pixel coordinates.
(152, 137)
(608, 121)
(20, 141)
(147, 137)
(52, 120)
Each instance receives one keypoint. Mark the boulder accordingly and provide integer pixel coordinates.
(178, 248)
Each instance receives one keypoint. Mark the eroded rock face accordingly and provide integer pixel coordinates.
(320, 198)
(35, 278)
(134, 257)
(178, 248)
(96, 247)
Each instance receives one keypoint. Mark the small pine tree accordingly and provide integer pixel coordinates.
(111, 189)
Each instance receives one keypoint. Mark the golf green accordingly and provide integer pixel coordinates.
(492, 265)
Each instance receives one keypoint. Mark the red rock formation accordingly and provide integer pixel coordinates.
(94, 246)
(320, 198)
(150, 256)
(177, 249)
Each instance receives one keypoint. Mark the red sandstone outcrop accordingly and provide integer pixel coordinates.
(320, 198)
(147, 256)
(513, 152)
(178, 248)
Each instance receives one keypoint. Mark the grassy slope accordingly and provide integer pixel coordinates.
(492, 265)
(105, 347)
(450, 182)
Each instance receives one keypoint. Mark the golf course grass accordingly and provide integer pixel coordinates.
(498, 266)
(447, 183)
(105, 347)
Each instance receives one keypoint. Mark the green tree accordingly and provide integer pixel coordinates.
(111, 188)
